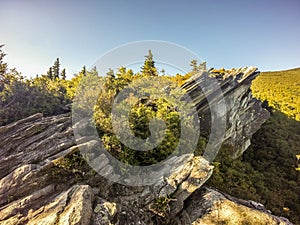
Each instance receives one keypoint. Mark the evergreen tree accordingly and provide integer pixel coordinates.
(56, 68)
(121, 72)
(110, 74)
(148, 69)
(196, 68)
(83, 71)
(94, 71)
(50, 73)
(3, 66)
(194, 65)
(202, 66)
(63, 74)
(110, 79)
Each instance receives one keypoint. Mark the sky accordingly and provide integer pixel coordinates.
(261, 33)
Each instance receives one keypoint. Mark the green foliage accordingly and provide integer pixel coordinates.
(54, 71)
(141, 113)
(21, 97)
(3, 66)
(266, 171)
(180, 79)
(160, 206)
(56, 68)
(273, 153)
(72, 162)
(148, 68)
(71, 169)
(195, 67)
(63, 74)
(281, 90)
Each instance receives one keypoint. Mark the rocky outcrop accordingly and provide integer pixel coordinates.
(40, 185)
(44, 180)
(33, 188)
(227, 96)
(208, 206)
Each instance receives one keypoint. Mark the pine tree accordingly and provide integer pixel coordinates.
(63, 74)
(194, 65)
(110, 74)
(83, 71)
(94, 71)
(56, 69)
(3, 66)
(148, 69)
(196, 68)
(110, 79)
(202, 66)
(50, 73)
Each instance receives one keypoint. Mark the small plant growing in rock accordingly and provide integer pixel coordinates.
(72, 162)
(160, 206)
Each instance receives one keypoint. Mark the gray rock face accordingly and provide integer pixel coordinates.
(242, 114)
(43, 180)
(31, 189)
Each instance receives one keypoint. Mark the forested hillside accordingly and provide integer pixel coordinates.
(281, 89)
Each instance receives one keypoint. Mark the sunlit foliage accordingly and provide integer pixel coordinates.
(281, 90)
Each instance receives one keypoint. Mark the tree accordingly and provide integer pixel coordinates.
(124, 77)
(83, 71)
(3, 66)
(63, 74)
(194, 65)
(110, 79)
(50, 73)
(148, 69)
(56, 68)
(202, 66)
(197, 68)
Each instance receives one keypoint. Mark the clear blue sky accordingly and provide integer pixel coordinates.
(262, 33)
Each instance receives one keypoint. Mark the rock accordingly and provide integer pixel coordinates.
(104, 212)
(242, 114)
(208, 206)
(73, 206)
(200, 172)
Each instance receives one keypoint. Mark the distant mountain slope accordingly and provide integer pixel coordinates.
(281, 89)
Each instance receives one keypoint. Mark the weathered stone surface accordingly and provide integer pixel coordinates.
(104, 212)
(242, 114)
(73, 206)
(207, 206)
(40, 185)
(34, 140)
